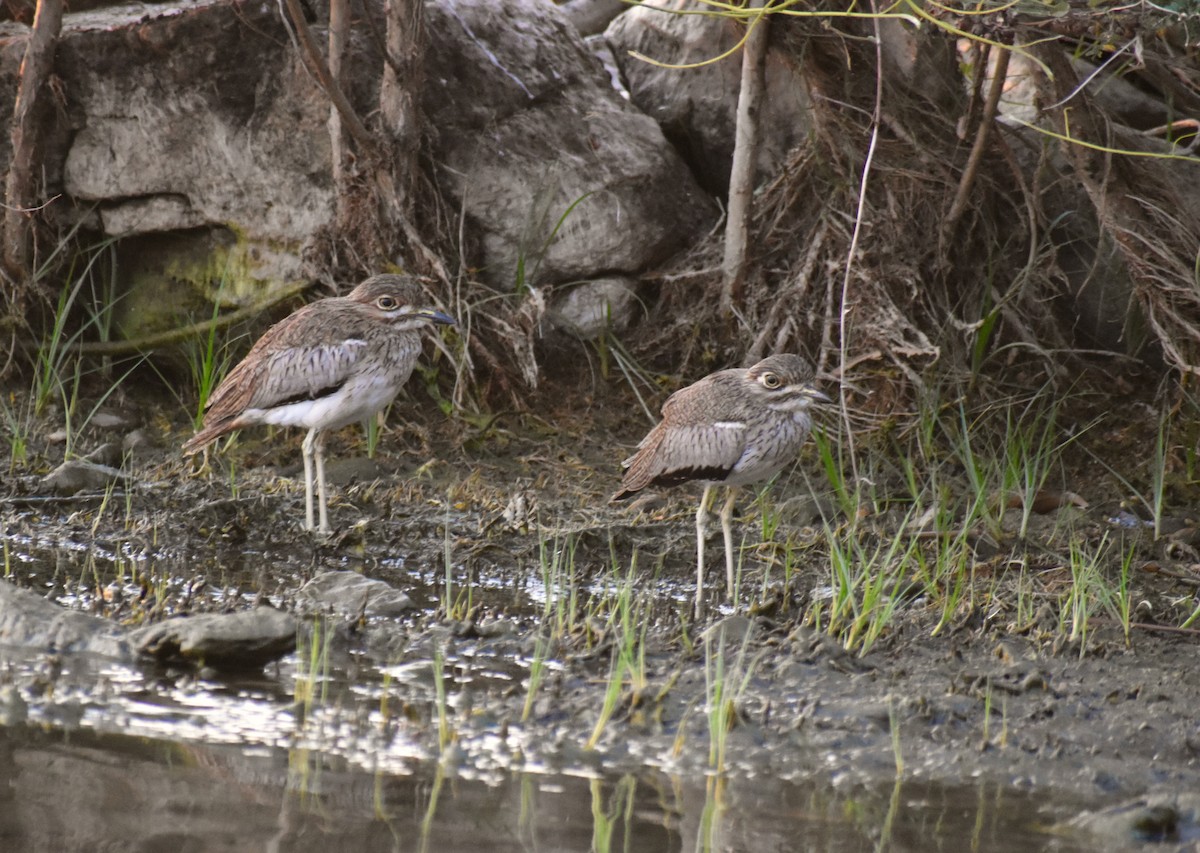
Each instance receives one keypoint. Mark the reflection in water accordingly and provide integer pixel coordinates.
(83, 790)
(710, 816)
(330, 751)
(611, 814)
(431, 809)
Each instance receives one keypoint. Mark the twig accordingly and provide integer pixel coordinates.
(339, 26)
(745, 153)
(1166, 629)
(173, 336)
(22, 168)
(990, 108)
(316, 64)
(852, 250)
(797, 285)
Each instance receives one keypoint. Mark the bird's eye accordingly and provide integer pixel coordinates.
(771, 381)
(386, 303)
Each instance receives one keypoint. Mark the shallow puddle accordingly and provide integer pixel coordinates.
(330, 747)
(84, 789)
(406, 733)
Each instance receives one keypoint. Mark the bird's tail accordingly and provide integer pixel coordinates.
(622, 494)
(205, 437)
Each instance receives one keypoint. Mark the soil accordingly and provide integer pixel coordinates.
(516, 505)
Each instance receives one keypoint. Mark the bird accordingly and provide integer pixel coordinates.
(328, 364)
(731, 428)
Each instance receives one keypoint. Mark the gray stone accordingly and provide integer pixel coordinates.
(733, 632)
(137, 440)
(14, 710)
(109, 421)
(697, 107)
(79, 475)
(350, 594)
(353, 469)
(27, 620)
(589, 308)
(109, 453)
(592, 16)
(157, 153)
(222, 190)
(1166, 816)
(557, 172)
(249, 639)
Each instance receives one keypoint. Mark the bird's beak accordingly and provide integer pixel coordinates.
(436, 316)
(816, 396)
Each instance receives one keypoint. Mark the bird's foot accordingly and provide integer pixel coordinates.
(203, 468)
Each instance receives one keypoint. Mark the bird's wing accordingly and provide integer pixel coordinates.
(701, 437)
(285, 374)
(695, 451)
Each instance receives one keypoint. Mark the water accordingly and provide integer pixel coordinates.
(111, 757)
(333, 750)
(88, 790)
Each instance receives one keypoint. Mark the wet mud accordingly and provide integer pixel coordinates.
(551, 641)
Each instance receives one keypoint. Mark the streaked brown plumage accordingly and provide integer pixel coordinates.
(331, 363)
(731, 428)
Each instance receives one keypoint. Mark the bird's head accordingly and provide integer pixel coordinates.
(398, 300)
(786, 383)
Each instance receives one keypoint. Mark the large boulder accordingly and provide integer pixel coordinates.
(194, 138)
(560, 176)
(697, 105)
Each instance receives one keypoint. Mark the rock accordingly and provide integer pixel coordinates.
(245, 640)
(138, 440)
(240, 187)
(108, 454)
(28, 620)
(697, 107)
(495, 627)
(229, 202)
(225, 640)
(733, 632)
(1156, 818)
(592, 16)
(588, 309)
(603, 51)
(14, 710)
(529, 126)
(354, 469)
(79, 475)
(350, 594)
(109, 421)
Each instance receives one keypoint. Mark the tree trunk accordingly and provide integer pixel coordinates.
(745, 152)
(398, 95)
(320, 70)
(339, 27)
(21, 195)
(400, 109)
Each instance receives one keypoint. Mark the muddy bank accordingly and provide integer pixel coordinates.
(547, 632)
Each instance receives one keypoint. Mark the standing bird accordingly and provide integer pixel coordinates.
(732, 427)
(329, 364)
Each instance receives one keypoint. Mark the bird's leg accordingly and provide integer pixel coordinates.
(306, 450)
(727, 529)
(204, 469)
(701, 528)
(320, 447)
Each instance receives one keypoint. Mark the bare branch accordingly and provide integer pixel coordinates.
(745, 152)
(316, 64)
(990, 109)
(21, 189)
